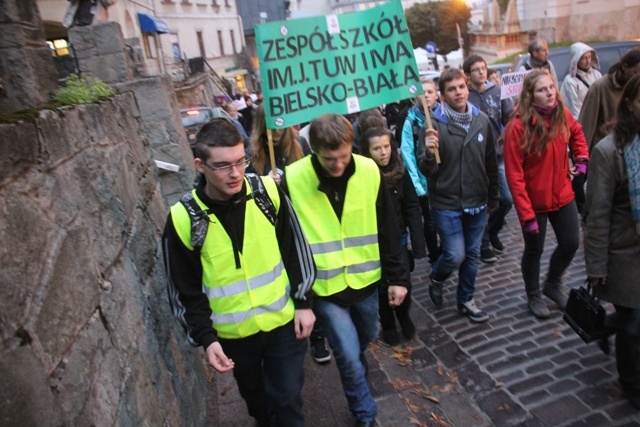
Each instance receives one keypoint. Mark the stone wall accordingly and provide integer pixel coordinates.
(86, 333)
(27, 74)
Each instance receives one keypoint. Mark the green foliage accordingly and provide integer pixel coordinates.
(82, 91)
(436, 22)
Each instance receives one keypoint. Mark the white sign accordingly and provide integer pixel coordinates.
(512, 84)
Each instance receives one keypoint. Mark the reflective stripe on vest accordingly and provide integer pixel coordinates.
(255, 297)
(345, 251)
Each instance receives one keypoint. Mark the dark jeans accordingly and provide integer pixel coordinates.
(625, 323)
(461, 236)
(566, 228)
(430, 231)
(497, 217)
(269, 370)
(387, 319)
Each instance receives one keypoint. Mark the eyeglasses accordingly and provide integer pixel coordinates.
(242, 165)
(478, 69)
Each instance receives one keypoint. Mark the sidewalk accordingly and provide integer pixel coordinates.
(513, 370)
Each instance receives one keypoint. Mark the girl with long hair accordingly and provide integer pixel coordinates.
(380, 145)
(287, 146)
(539, 177)
(612, 237)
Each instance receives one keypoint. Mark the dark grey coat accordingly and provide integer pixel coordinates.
(468, 174)
(612, 249)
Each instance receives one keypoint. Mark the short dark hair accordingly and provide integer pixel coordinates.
(449, 75)
(466, 65)
(218, 132)
(329, 132)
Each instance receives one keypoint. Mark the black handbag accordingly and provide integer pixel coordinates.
(585, 314)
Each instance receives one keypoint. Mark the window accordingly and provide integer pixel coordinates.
(58, 47)
(233, 42)
(201, 43)
(150, 46)
(221, 42)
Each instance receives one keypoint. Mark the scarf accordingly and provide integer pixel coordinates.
(393, 172)
(545, 111)
(461, 119)
(538, 64)
(632, 161)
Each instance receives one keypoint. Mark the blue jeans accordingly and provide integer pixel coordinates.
(349, 331)
(497, 217)
(269, 370)
(460, 236)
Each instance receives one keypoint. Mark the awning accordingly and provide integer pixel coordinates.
(151, 24)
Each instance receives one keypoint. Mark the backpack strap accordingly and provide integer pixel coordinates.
(199, 220)
(262, 199)
(579, 77)
(200, 217)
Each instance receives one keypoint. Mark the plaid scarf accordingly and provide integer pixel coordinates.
(461, 119)
(632, 161)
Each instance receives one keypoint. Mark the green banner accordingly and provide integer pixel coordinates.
(336, 63)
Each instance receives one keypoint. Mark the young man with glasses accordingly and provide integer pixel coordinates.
(486, 96)
(242, 290)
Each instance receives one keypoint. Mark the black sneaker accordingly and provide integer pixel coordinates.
(496, 244)
(319, 350)
(487, 256)
(470, 309)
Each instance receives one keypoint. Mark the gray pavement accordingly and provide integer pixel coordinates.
(512, 370)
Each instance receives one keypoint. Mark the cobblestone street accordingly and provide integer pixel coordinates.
(512, 370)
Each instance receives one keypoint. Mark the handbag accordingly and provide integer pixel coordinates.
(585, 314)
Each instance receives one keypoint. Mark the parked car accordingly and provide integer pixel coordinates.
(608, 54)
(501, 68)
(194, 117)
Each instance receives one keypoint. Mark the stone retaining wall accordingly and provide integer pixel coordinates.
(86, 333)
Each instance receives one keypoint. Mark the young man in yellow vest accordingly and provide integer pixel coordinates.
(347, 215)
(239, 280)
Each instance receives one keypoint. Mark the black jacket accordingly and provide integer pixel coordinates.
(389, 238)
(184, 270)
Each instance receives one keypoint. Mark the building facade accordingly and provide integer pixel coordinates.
(166, 36)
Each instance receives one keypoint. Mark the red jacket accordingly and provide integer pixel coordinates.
(541, 183)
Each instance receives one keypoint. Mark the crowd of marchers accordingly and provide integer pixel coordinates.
(316, 244)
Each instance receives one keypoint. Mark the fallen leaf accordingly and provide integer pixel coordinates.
(439, 420)
(499, 384)
(402, 385)
(447, 388)
(453, 376)
(414, 421)
(440, 369)
(413, 408)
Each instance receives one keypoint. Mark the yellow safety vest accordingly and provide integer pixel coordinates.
(254, 297)
(345, 251)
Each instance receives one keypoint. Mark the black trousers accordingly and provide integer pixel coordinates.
(387, 313)
(269, 370)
